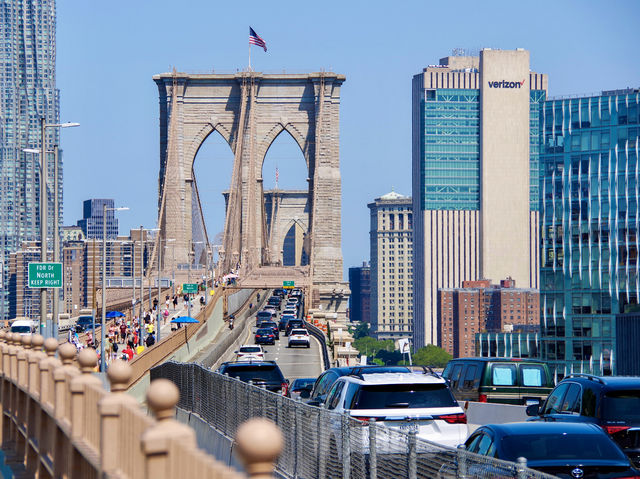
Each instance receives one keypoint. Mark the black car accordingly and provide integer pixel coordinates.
(301, 388)
(275, 301)
(265, 336)
(326, 379)
(566, 450)
(85, 323)
(279, 292)
(284, 320)
(273, 325)
(265, 374)
(612, 403)
(263, 316)
(293, 324)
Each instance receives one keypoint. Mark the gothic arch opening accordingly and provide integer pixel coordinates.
(212, 169)
(286, 203)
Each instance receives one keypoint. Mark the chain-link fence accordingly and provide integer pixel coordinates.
(319, 443)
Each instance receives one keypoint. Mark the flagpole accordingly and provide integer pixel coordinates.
(249, 56)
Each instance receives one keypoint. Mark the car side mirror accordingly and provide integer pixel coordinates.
(533, 410)
(315, 402)
(235, 352)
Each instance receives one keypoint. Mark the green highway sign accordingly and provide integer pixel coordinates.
(288, 284)
(45, 275)
(190, 288)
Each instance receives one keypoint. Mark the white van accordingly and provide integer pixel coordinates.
(23, 326)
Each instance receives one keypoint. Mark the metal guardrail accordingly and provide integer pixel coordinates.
(319, 443)
(319, 335)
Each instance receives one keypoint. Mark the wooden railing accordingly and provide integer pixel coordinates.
(58, 421)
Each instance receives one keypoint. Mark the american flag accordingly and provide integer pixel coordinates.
(254, 39)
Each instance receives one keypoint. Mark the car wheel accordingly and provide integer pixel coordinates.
(308, 346)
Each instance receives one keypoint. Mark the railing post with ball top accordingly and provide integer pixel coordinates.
(162, 397)
(112, 428)
(259, 444)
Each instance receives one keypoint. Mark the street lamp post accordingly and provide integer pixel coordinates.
(103, 360)
(141, 319)
(44, 207)
(158, 316)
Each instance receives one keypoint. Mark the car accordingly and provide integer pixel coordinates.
(301, 388)
(404, 401)
(275, 301)
(264, 316)
(279, 292)
(292, 300)
(265, 374)
(85, 323)
(265, 336)
(293, 323)
(284, 320)
(562, 449)
(613, 403)
(290, 312)
(299, 337)
(248, 352)
(326, 379)
(273, 325)
(295, 293)
(499, 380)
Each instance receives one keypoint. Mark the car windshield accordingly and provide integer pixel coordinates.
(264, 331)
(268, 324)
(250, 349)
(255, 373)
(564, 446)
(622, 406)
(387, 396)
(299, 331)
(264, 314)
(20, 329)
(85, 319)
(302, 384)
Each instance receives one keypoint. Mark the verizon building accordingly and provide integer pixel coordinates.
(476, 140)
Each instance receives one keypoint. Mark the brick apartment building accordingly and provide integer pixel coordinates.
(479, 307)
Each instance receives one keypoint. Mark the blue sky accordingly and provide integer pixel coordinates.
(108, 52)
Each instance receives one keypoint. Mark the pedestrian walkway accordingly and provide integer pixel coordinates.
(181, 310)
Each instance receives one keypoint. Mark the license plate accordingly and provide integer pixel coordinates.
(409, 427)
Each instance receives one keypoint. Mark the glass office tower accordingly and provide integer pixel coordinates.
(589, 200)
(475, 176)
(93, 219)
(27, 93)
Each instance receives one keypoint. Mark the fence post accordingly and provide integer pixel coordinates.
(373, 453)
(162, 397)
(112, 429)
(521, 466)
(346, 446)
(67, 352)
(322, 445)
(413, 471)
(461, 452)
(88, 360)
(259, 444)
(297, 444)
(33, 362)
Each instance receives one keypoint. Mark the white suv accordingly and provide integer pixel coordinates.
(406, 402)
(250, 352)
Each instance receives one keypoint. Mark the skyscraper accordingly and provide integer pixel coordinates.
(27, 94)
(360, 299)
(92, 223)
(475, 176)
(391, 266)
(590, 273)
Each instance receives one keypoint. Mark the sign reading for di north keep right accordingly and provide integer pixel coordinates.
(45, 275)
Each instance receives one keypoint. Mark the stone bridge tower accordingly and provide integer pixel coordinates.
(249, 110)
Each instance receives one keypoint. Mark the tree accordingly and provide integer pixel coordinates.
(361, 331)
(432, 355)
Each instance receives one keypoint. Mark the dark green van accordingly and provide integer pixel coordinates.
(499, 380)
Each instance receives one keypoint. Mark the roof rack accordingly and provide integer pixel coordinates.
(587, 376)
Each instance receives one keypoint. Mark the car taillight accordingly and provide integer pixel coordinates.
(482, 398)
(615, 429)
(366, 419)
(271, 335)
(285, 388)
(454, 418)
